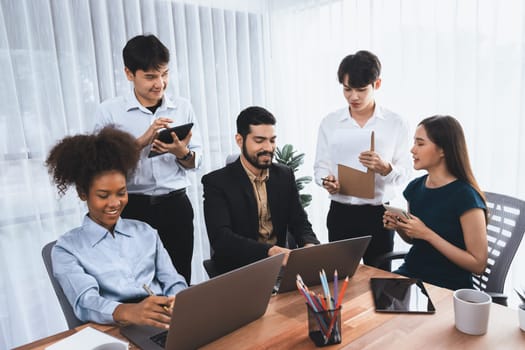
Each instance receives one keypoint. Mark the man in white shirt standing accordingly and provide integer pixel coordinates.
(350, 216)
(157, 188)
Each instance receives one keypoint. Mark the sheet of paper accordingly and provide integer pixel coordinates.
(346, 146)
(89, 339)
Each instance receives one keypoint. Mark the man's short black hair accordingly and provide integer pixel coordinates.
(363, 68)
(145, 52)
(253, 116)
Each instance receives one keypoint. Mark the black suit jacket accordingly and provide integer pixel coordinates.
(230, 212)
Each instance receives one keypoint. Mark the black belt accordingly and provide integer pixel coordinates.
(158, 199)
(359, 205)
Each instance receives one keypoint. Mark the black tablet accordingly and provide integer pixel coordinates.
(401, 295)
(165, 135)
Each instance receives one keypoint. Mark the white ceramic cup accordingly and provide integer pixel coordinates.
(471, 311)
(521, 316)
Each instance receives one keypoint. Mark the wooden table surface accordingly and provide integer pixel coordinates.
(285, 325)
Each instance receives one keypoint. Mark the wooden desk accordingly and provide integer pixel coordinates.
(284, 326)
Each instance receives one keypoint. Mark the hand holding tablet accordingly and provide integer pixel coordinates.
(165, 135)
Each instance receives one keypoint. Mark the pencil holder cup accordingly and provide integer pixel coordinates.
(324, 327)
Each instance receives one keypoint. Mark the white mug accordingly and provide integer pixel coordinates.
(471, 311)
(521, 316)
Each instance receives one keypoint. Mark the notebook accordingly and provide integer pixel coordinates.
(401, 295)
(89, 339)
(342, 255)
(214, 308)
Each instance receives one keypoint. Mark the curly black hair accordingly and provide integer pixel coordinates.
(78, 159)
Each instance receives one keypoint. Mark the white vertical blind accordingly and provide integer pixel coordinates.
(58, 60)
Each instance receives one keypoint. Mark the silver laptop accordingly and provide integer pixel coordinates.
(214, 308)
(342, 255)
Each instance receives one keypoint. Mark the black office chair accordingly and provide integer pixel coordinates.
(209, 264)
(505, 231)
(67, 309)
(210, 267)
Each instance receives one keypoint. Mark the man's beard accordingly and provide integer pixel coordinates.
(255, 159)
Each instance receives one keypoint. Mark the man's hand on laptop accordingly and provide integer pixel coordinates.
(278, 250)
(153, 311)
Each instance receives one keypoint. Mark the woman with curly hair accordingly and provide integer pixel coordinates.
(104, 265)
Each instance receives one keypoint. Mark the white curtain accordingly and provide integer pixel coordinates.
(58, 60)
(459, 57)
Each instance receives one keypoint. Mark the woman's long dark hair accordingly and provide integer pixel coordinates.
(446, 132)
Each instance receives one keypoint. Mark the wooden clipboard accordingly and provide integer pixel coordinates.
(356, 183)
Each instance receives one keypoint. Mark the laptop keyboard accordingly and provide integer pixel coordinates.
(160, 338)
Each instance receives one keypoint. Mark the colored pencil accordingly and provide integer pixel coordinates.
(335, 286)
(326, 288)
(342, 293)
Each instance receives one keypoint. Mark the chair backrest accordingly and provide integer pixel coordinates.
(67, 309)
(504, 233)
(230, 158)
(209, 264)
(211, 268)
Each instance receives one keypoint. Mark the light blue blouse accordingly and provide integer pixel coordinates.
(97, 271)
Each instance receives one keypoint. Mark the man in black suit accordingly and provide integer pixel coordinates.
(251, 204)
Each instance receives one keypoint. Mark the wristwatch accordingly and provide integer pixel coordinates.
(187, 156)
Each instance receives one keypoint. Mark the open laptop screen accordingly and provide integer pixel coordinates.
(343, 256)
(214, 308)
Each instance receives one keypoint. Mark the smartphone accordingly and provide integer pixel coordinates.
(398, 211)
(165, 135)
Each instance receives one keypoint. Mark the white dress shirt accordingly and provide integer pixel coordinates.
(161, 174)
(392, 143)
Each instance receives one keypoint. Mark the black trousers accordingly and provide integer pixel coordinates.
(350, 221)
(172, 217)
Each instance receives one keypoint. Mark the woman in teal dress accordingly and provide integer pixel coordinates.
(448, 213)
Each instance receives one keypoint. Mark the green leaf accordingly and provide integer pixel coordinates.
(294, 166)
(304, 179)
(305, 199)
(287, 152)
(278, 154)
(298, 158)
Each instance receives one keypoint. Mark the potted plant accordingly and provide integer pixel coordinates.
(288, 156)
